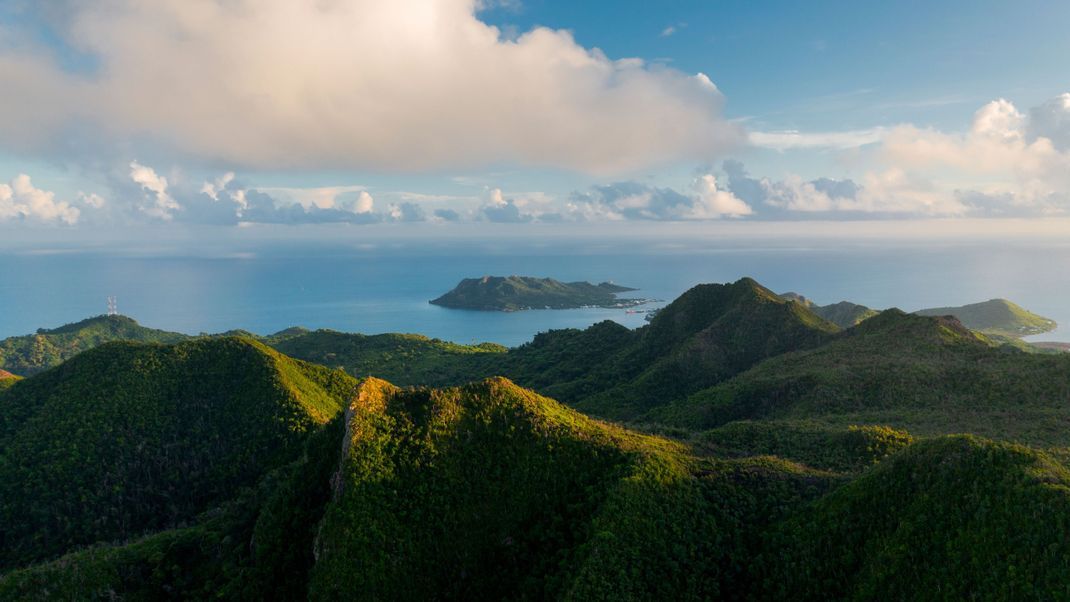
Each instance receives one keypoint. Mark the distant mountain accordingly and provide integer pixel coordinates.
(30, 354)
(513, 293)
(998, 317)
(131, 438)
(843, 314)
(951, 518)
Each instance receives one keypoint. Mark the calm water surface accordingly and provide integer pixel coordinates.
(375, 291)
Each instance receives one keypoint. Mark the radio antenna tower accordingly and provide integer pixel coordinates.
(113, 306)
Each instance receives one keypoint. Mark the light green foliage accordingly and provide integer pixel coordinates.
(407, 359)
(998, 317)
(30, 354)
(843, 314)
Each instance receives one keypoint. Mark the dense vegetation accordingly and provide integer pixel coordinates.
(132, 438)
(513, 293)
(407, 359)
(996, 317)
(30, 354)
(796, 460)
(843, 314)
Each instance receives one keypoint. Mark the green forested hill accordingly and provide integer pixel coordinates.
(30, 354)
(513, 293)
(996, 317)
(489, 492)
(843, 314)
(927, 375)
(951, 518)
(131, 438)
(406, 359)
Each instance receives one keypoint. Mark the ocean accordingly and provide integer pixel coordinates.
(385, 288)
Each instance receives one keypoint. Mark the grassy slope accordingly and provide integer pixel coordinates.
(996, 316)
(925, 375)
(489, 491)
(511, 293)
(951, 518)
(30, 354)
(843, 314)
(130, 438)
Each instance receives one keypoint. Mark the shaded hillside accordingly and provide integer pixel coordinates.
(997, 317)
(513, 293)
(926, 375)
(952, 518)
(843, 314)
(406, 359)
(840, 449)
(30, 354)
(489, 491)
(130, 438)
(707, 335)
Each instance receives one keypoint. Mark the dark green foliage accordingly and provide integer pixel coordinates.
(512, 293)
(407, 359)
(33, 353)
(926, 375)
(709, 334)
(131, 438)
(955, 518)
(848, 449)
(998, 317)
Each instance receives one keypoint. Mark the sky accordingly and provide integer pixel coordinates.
(127, 117)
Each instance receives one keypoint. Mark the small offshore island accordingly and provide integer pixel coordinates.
(517, 293)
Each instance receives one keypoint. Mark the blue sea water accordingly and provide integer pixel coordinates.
(387, 288)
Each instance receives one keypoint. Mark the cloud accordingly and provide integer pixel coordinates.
(793, 139)
(160, 204)
(637, 201)
(360, 84)
(91, 199)
(668, 31)
(1051, 120)
(502, 210)
(213, 187)
(21, 200)
(406, 212)
(447, 215)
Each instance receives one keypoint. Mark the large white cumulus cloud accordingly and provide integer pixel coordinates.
(399, 85)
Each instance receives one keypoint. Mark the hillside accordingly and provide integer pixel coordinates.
(951, 518)
(998, 317)
(707, 335)
(407, 359)
(514, 293)
(30, 354)
(843, 314)
(925, 375)
(131, 438)
(489, 491)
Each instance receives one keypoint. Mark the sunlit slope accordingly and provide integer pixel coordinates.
(489, 491)
(406, 359)
(30, 354)
(130, 438)
(951, 518)
(998, 317)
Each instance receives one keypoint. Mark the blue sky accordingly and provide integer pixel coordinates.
(366, 113)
